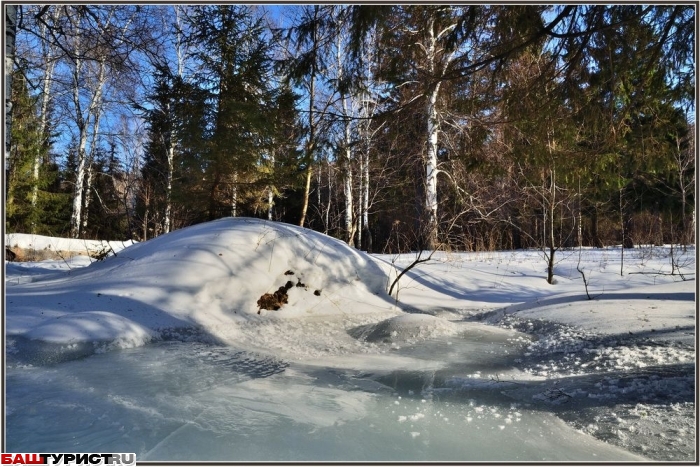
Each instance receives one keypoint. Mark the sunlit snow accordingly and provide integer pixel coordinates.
(162, 350)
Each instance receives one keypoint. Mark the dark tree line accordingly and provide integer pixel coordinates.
(394, 128)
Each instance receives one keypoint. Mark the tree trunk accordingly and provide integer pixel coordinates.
(360, 204)
(347, 181)
(623, 232)
(76, 215)
(234, 194)
(550, 265)
(180, 54)
(93, 152)
(307, 191)
(167, 222)
(431, 200)
(551, 211)
(437, 63)
(213, 211)
(83, 123)
(87, 198)
(47, 80)
(270, 201)
(363, 200)
(309, 156)
(310, 145)
(327, 213)
(10, 32)
(595, 236)
(270, 189)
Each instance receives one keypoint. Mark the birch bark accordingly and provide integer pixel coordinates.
(437, 62)
(49, 58)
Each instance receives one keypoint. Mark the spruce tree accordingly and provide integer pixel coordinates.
(29, 143)
(235, 71)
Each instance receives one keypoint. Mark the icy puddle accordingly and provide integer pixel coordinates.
(193, 401)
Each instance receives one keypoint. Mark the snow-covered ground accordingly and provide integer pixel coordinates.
(162, 349)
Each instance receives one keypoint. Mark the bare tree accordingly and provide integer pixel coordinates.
(684, 161)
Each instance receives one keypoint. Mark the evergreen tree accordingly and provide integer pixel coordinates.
(32, 203)
(234, 60)
(627, 107)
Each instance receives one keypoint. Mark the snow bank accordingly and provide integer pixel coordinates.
(405, 328)
(662, 311)
(209, 277)
(477, 282)
(55, 244)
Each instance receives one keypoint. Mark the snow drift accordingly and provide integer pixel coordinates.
(207, 277)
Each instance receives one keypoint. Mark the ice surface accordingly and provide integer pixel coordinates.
(193, 401)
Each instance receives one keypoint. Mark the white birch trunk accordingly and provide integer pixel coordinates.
(10, 32)
(96, 111)
(47, 80)
(431, 169)
(82, 122)
(179, 48)
(365, 199)
(346, 157)
(360, 204)
(437, 64)
(347, 180)
(88, 194)
(234, 194)
(82, 116)
(319, 182)
(432, 127)
(76, 215)
(169, 189)
(363, 196)
(330, 197)
(180, 54)
(43, 118)
(270, 201)
(170, 156)
(692, 227)
(270, 190)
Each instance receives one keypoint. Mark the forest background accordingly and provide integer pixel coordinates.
(394, 128)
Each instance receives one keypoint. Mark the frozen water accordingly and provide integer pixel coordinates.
(197, 401)
(161, 351)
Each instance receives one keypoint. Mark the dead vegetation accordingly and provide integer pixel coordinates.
(274, 301)
(21, 255)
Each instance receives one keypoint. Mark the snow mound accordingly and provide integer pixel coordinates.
(405, 328)
(100, 325)
(209, 276)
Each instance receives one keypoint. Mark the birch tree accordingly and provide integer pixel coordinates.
(97, 43)
(345, 149)
(421, 46)
(180, 53)
(50, 56)
(311, 36)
